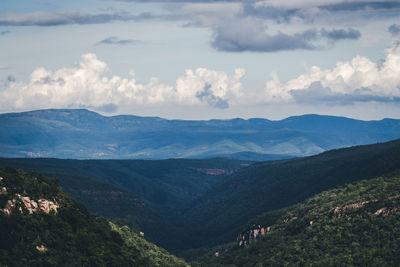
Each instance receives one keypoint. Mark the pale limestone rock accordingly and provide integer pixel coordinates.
(9, 207)
(41, 248)
(380, 211)
(255, 233)
(339, 210)
(31, 205)
(46, 206)
(3, 191)
(34, 205)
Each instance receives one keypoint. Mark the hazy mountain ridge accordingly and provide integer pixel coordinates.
(86, 134)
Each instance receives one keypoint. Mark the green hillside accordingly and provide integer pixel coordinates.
(356, 225)
(150, 193)
(42, 226)
(220, 214)
(167, 186)
(189, 206)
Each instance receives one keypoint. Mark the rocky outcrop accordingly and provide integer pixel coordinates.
(338, 211)
(388, 211)
(41, 248)
(10, 205)
(251, 235)
(30, 205)
(3, 191)
(46, 206)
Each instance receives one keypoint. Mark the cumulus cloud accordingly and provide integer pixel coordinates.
(208, 96)
(213, 87)
(358, 80)
(8, 80)
(89, 84)
(112, 40)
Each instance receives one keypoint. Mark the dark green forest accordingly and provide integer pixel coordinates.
(355, 225)
(194, 208)
(220, 214)
(152, 194)
(69, 236)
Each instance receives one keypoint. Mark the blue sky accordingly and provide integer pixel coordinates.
(202, 59)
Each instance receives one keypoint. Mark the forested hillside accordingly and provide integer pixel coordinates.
(151, 194)
(219, 214)
(43, 226)
(167, 186)
(189, 206)
(355, 225)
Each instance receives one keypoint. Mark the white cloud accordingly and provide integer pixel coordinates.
(89, 84)
(211, 86)
(357, 80)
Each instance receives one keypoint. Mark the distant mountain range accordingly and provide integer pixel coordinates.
(83, 134)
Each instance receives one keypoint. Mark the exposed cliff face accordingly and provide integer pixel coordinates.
(247, 237)
(40, 225)
(32, 206)
(255, 232)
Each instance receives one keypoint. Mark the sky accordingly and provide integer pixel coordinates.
(202, 59)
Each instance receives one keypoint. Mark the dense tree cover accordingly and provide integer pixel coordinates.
(226, 203)
(167, 186)
(70, 237)
(357, 225)
(156, 255)
(150, 193)
(220, 214)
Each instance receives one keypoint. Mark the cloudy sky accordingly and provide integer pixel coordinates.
(202, 59)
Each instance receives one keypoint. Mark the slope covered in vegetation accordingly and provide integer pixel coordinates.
(167, 186)
(219, 215)
(42, 226)
(152, 193)
(356, 225)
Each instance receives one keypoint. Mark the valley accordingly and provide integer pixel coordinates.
(217, 211)
(191, 207)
